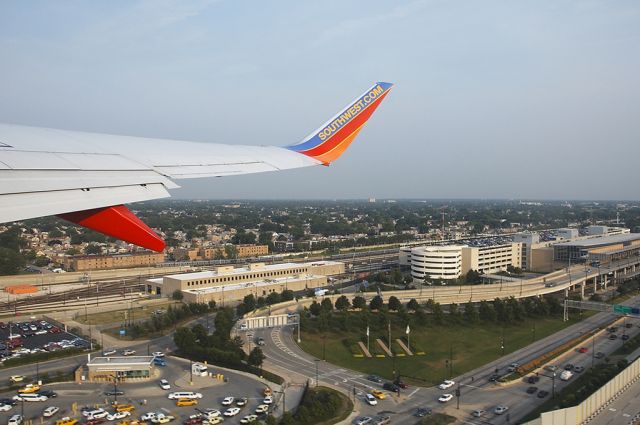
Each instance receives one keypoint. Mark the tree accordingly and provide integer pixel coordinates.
(315, 308)
(438, 314)
(256, 357)
(230, 251)
(326, 304)
(177, 295)
(472, 277)
(413, 304)
(470, 313)
(287, 295)
(249, 302)
(11, 262)
(359, 302)
(273, 298)
(454, 313)
(342, 303)
(486, 312)
(93, 249)
(394, 303)
(376, 303)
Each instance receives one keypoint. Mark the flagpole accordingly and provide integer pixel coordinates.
(368, 339)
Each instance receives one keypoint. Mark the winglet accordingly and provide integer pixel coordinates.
(117, 221)
(330, 141)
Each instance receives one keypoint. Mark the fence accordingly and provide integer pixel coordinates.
(584, 412)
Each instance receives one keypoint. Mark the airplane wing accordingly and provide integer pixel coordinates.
(87, 177)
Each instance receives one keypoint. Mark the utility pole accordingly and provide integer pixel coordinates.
(317, 361)
(458, 393)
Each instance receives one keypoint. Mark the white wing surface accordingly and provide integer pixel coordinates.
(80, 176)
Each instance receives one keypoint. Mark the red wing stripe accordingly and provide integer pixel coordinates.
(118, 222)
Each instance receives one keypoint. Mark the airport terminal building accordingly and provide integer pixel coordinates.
(231, 284)
(603, 249)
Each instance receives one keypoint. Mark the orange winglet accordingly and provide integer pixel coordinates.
(118, 222)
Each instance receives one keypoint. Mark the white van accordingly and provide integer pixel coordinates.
(184, 394)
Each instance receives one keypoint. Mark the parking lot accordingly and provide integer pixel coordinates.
(145, 397)
(20, 339)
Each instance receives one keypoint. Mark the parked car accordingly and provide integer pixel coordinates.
(532, 390)
(389, 386)
(543, 393)
(533, 379)
(50, 411)
(578, 369)
(599, 355)
(422, 412)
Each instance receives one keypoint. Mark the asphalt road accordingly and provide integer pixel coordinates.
(477, 393)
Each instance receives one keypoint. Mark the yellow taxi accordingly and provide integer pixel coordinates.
(378, 394)
(29, 388)
(186, 402)
(66, 421)
(124, 407)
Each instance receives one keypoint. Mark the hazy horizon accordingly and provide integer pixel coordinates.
(492, 100)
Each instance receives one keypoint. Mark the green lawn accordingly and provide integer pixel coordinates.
(471, 346)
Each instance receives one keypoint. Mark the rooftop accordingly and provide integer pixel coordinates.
(253, 284)
(242, 270)
(121, 360)
(602, 240)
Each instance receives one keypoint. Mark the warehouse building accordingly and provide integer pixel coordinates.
(228, 283)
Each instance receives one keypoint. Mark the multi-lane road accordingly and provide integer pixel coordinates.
(283, 354)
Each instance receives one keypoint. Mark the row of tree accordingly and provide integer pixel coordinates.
(377, 313)
(251, 303)
(169, 319)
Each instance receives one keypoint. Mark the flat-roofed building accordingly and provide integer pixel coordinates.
(118, 261)
(228, 283)
(491, 258)
(124, 368)
(603, 249)
(243, 251)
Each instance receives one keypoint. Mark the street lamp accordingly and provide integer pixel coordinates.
(317, 361)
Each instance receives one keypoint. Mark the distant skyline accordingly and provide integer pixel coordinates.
(534, 100)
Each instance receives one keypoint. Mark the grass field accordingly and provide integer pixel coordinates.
(470, 346)
(120, 316)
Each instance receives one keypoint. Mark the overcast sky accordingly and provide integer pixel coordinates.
(492, 99)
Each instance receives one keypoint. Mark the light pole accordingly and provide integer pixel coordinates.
(317, 361)
(533, 331)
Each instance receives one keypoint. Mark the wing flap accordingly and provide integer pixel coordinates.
(21, 206)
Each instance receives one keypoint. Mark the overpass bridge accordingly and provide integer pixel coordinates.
(574, 278)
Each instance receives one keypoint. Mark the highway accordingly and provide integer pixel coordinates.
(283, 354)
